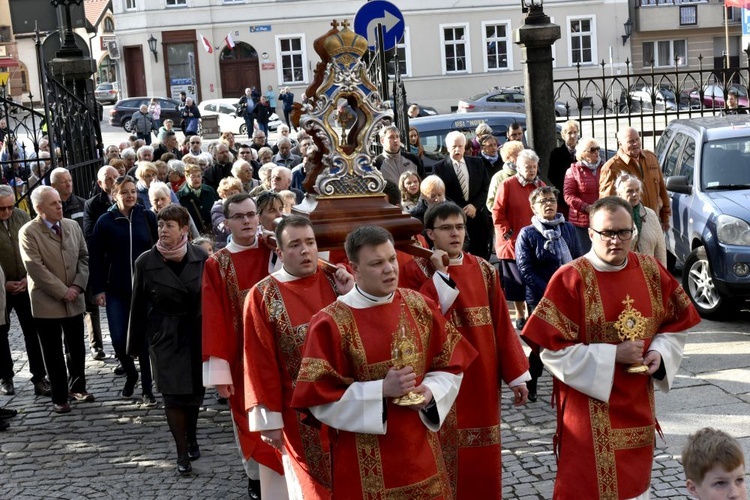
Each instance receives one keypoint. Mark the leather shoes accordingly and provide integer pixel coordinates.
(4, 424)
(119, 370)
(82, 396)
(194, 452)
(7, 388)
(183, 465)
(5, 414)
(253, 489)
(97, 354)
(63, 408)
(127, 391)
(43, 388)
(532, 397)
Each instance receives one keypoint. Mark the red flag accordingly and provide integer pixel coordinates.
(230, 42)
(206, 44)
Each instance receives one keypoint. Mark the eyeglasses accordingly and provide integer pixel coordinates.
(622, 234)
(451, 227)
(546, 201)
(6, 209)
(593, 150)
(242, 217)
(194, 142)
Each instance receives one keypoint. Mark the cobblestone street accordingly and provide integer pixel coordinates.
(114, 448)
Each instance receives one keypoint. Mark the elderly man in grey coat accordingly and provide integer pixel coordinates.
(54, 254)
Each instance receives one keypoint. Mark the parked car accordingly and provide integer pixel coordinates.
(706, 166)
(107, 92)
(120, 114)
(713, 95)
(228, 119)
(433, 129)
(506, 99)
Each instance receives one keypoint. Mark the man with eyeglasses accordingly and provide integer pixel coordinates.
(471, 299)
(227, 277)
(609, 327)
(195, 145)
(632, 159)
(17, 299)
(281, 180)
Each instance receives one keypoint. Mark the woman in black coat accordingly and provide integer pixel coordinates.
(166, 310)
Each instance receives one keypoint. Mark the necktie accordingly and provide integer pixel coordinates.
(57, 230)
(462, 180)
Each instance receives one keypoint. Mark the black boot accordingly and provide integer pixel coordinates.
(253, 489)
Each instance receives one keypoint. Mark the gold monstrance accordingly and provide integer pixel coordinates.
(404, 353)
(631, 325)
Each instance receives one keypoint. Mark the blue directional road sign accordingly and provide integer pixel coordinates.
(387, 15)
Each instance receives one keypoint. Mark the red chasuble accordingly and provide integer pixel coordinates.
(277, 315)
(605, 450)
(345, 345)
(227, 278)
(470, 437)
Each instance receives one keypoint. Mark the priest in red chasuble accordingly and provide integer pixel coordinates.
(469, 294)
(610, 327)
(277, 313)
(228, 276)
(382, 368)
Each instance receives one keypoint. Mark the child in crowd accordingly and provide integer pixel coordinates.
(714, 466)
(206, 243)
(290, 199)
(408, 185)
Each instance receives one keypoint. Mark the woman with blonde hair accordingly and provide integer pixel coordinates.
(509, 154)
(581, 188)
(228, 186)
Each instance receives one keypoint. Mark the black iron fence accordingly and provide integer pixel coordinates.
(65, 132)
(649, 99)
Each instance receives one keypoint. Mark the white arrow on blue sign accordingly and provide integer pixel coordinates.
(387, 15)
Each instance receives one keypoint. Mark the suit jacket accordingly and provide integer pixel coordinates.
(53, 264)
(479, 182)
(95, 207)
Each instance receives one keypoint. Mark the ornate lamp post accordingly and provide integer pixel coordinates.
(536, 37)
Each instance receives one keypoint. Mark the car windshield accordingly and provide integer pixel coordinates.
(478, 96)
(726, 164)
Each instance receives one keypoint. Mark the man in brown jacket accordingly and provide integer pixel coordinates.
(54, 254)
(11, 221)
(631, 159)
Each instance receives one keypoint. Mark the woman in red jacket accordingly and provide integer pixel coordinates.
(581, 188)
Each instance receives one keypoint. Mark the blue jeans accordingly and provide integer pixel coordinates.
(118, 315)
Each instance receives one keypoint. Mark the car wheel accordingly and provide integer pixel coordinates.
(243, 129)
(127, 125)
(697, 280)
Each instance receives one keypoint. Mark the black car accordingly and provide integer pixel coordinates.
(121, 113)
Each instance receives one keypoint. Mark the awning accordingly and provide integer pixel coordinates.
(8, 62)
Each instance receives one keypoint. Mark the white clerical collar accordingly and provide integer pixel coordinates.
(458, 261)
(285, 276)
(359, 299)
(234, 247)
(602, 266)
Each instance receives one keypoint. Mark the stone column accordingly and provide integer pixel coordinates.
(536, 37)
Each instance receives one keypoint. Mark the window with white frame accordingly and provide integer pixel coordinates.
(176, 3)
(456, 48)
(497, 45)
(130, 4)
(665, 53)
(291, 50)
(582, 40)
(404, 59)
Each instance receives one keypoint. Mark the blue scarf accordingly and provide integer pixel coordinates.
(491, 159)
(555, 243)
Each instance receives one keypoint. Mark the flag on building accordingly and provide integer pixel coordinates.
(743, 4)
(206, 44)
(230, 42)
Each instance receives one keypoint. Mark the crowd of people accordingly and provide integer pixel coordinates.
(371, 373)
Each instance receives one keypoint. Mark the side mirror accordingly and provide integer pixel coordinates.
(678, 184)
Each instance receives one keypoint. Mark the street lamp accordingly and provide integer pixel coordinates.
(152, 47)
(527, 5)
(628, 31)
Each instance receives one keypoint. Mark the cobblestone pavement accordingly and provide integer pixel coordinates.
(113, 448)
